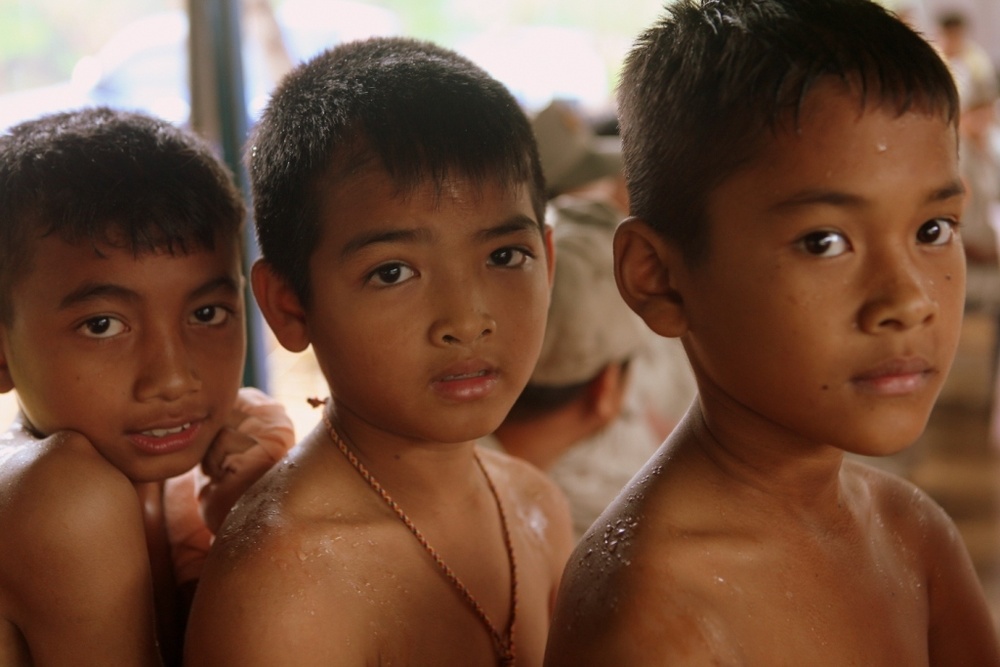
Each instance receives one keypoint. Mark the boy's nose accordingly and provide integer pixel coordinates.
(463, 328)
(463, 316)
(899, 299)
(167, 373)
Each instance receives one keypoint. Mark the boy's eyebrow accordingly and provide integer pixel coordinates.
(224, 283)
(91, 291)
(954, 189)
(515, 223)
(382, 236)
(839, 198)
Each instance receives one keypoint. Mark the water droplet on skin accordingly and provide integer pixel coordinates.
(719, 580)
(881, 147)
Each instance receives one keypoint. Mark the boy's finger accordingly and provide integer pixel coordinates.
(228, 441)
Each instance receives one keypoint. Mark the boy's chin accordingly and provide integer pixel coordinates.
(154, 470)
(889, 444)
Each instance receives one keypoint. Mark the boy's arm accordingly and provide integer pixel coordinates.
(75, 562)
(962, 630)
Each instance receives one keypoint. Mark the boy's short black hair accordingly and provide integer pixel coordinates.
(99, 176)
(705, 88)
(417, 110)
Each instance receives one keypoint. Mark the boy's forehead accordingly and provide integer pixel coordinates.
(50, 249)
(832, 111)
(852, 93)
(842, 150)
(374, 183)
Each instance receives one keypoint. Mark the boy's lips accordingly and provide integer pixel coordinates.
(895, 377)
(466, 381)
(166, 439)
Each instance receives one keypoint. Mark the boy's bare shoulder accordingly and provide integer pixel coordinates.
(520, 477)
(74, 569)
(540, 504)
(297, 563)
(58, 488)
(961, 629)
(622, 596)
(905, 508)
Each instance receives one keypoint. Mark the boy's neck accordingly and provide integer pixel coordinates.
(803, 478)
(412, 470)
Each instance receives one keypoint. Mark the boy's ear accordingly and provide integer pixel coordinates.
(550, 251)
(606, 393)
(280, 306)
(6, 381)
(646, 269)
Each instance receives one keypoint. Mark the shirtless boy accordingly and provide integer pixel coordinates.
(795, 195)
(121, 328)
(399, 203)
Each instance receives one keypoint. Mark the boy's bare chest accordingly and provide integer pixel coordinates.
(406, 611)
(784, 603)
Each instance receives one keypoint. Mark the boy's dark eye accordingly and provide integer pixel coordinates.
(509, 257)
(936, 232)
(824, 243)
(99, 325)
(391, 274)
(103, 326)
(210, 315)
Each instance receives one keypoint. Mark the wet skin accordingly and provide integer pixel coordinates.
(823, 320)
(427, 314)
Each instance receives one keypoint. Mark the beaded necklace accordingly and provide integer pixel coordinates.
(503, 643)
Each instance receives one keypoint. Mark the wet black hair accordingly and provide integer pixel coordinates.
(415, 109)
(99, 176)
(705, 87)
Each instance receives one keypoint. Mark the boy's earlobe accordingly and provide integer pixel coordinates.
(6, 381)
(645, 270)
(550, 251)
(280, 306)
(606, 393)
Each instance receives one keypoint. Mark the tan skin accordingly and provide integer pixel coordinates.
(748, 539)
(126, 370)
(428, 312)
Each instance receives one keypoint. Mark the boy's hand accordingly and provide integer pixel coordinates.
(259, 433)
(233, 463)
(224, 454)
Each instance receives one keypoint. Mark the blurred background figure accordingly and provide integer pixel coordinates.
(580, 418)
(976, 79)
(581, 156)
(606, 390)
(979, 160)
